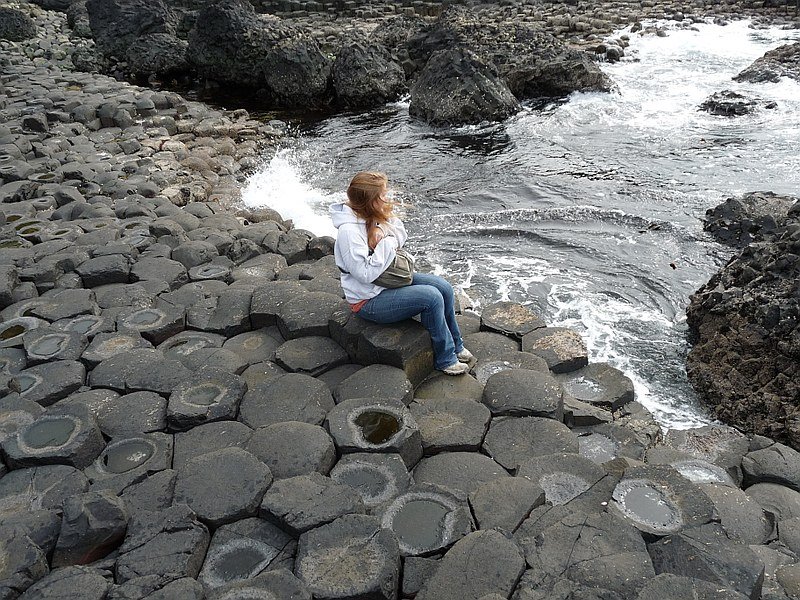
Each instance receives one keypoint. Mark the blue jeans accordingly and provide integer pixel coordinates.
(432, 298)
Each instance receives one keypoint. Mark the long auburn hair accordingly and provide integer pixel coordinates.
(364, 196)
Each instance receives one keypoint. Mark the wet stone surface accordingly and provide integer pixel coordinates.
(504, 503)
(242, 550)
(561, 476)
(377, 478)
(367, 425)
(350, 557)
(209, 395)
(45, 344)
(126, 460)
(598, 384)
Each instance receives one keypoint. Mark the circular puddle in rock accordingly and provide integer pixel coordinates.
(597, 447)
(377, 427)
(50, 432)
(642, 502)
(26, 381)
(420, 524)
(83, 324)
(238, 560)
(127, 455)
(49, 345)
(699, 471)
(11, 332)
(145, 317)
(584, 389)
(211, 271)
(204, 394)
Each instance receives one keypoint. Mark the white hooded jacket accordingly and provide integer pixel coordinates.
(352, 252)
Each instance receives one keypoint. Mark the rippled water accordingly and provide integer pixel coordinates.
(588, 210)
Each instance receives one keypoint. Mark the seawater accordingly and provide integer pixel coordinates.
(588, 210)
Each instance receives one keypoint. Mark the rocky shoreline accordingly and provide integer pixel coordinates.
(189, 410)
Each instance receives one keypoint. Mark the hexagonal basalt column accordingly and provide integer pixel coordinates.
(126, 460)
(153, 324)
(39, 488)
(376, 477)
(510, 319)
(427, 519)
(405, 345)
(598, 384)
(352, 557)
(208, 396)
(13, 330)
(561, 476)
(368, 425)
(106, 345)
(562, 348)
(45, 344)
(67, 436)
(48, 383)
(520, 392)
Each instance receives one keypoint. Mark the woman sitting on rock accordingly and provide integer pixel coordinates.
(366, 243)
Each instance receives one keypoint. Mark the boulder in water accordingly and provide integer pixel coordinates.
(366, 75)
(783, 61)
(748, 218)
(731, 104)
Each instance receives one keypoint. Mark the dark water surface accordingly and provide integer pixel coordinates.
(587, 210)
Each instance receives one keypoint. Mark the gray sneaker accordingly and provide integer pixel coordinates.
(465, 356)
(457, 368)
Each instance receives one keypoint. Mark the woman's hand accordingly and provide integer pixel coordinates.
(375, 236)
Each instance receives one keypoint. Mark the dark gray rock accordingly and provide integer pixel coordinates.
(265, 267)
(675, 587)
(416, 571)
(705, 552)
(427, 519)
(93, 524)
(298, 504)
(279, 583)
(159, 54)
(223, 486)
(602, 443)
(440, 385)
(215, 359)
(41, 526)
(255, 546)
(118, 416)
(24, 563)
(193, 253)
(751, 217)
(68, 436)
(291, 397)
(171, 272)
(170, 543)
(155, 324)
(46, 344)
(561, 476)
(15, 25)
(775, 464)
(723, 446)
(13, 330)
(780, 501)
(783, 61)
(513, 359)
(154, 492)
(513, 440)
(227, 314)
(458, 471)
(457, 87)
(741, 516)
(139, 370)
(789, 533)
(372, 425)
(598, 384)
(105, 345)
(255, 346)
(88, 325)
(365, 76)
(463, 572)
(657, 500)
(450, 424)
(186, 342)
(293, 448)
(377, 478)
(728, 103)
(211, 395)
(404, 345)
(71, 583)
(128, 460)
(487, 345)
(510, 318)
(520, 392)
(39, 488)
(376, 381)
(185, 587)
(562, 348)
(105, 270)
(116, 24)
(208, 438)
(311, 355)
(350, 557)
(594, 550)
(307, 314)
(268, 299)
(504, 504)
(48, 383)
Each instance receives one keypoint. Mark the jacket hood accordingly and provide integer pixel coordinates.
(341, 213)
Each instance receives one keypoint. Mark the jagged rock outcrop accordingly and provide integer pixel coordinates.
(745, 362)
(458, 87)
(15, 25)
(749, 218)
(116, 24)
(732, 104)
(366, 75)
(157, 54)
(231, 43)
(783, 61)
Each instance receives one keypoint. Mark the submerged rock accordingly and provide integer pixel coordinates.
(783, 61)
(731, 104)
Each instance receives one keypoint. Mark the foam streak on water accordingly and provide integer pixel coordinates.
(590, 210)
